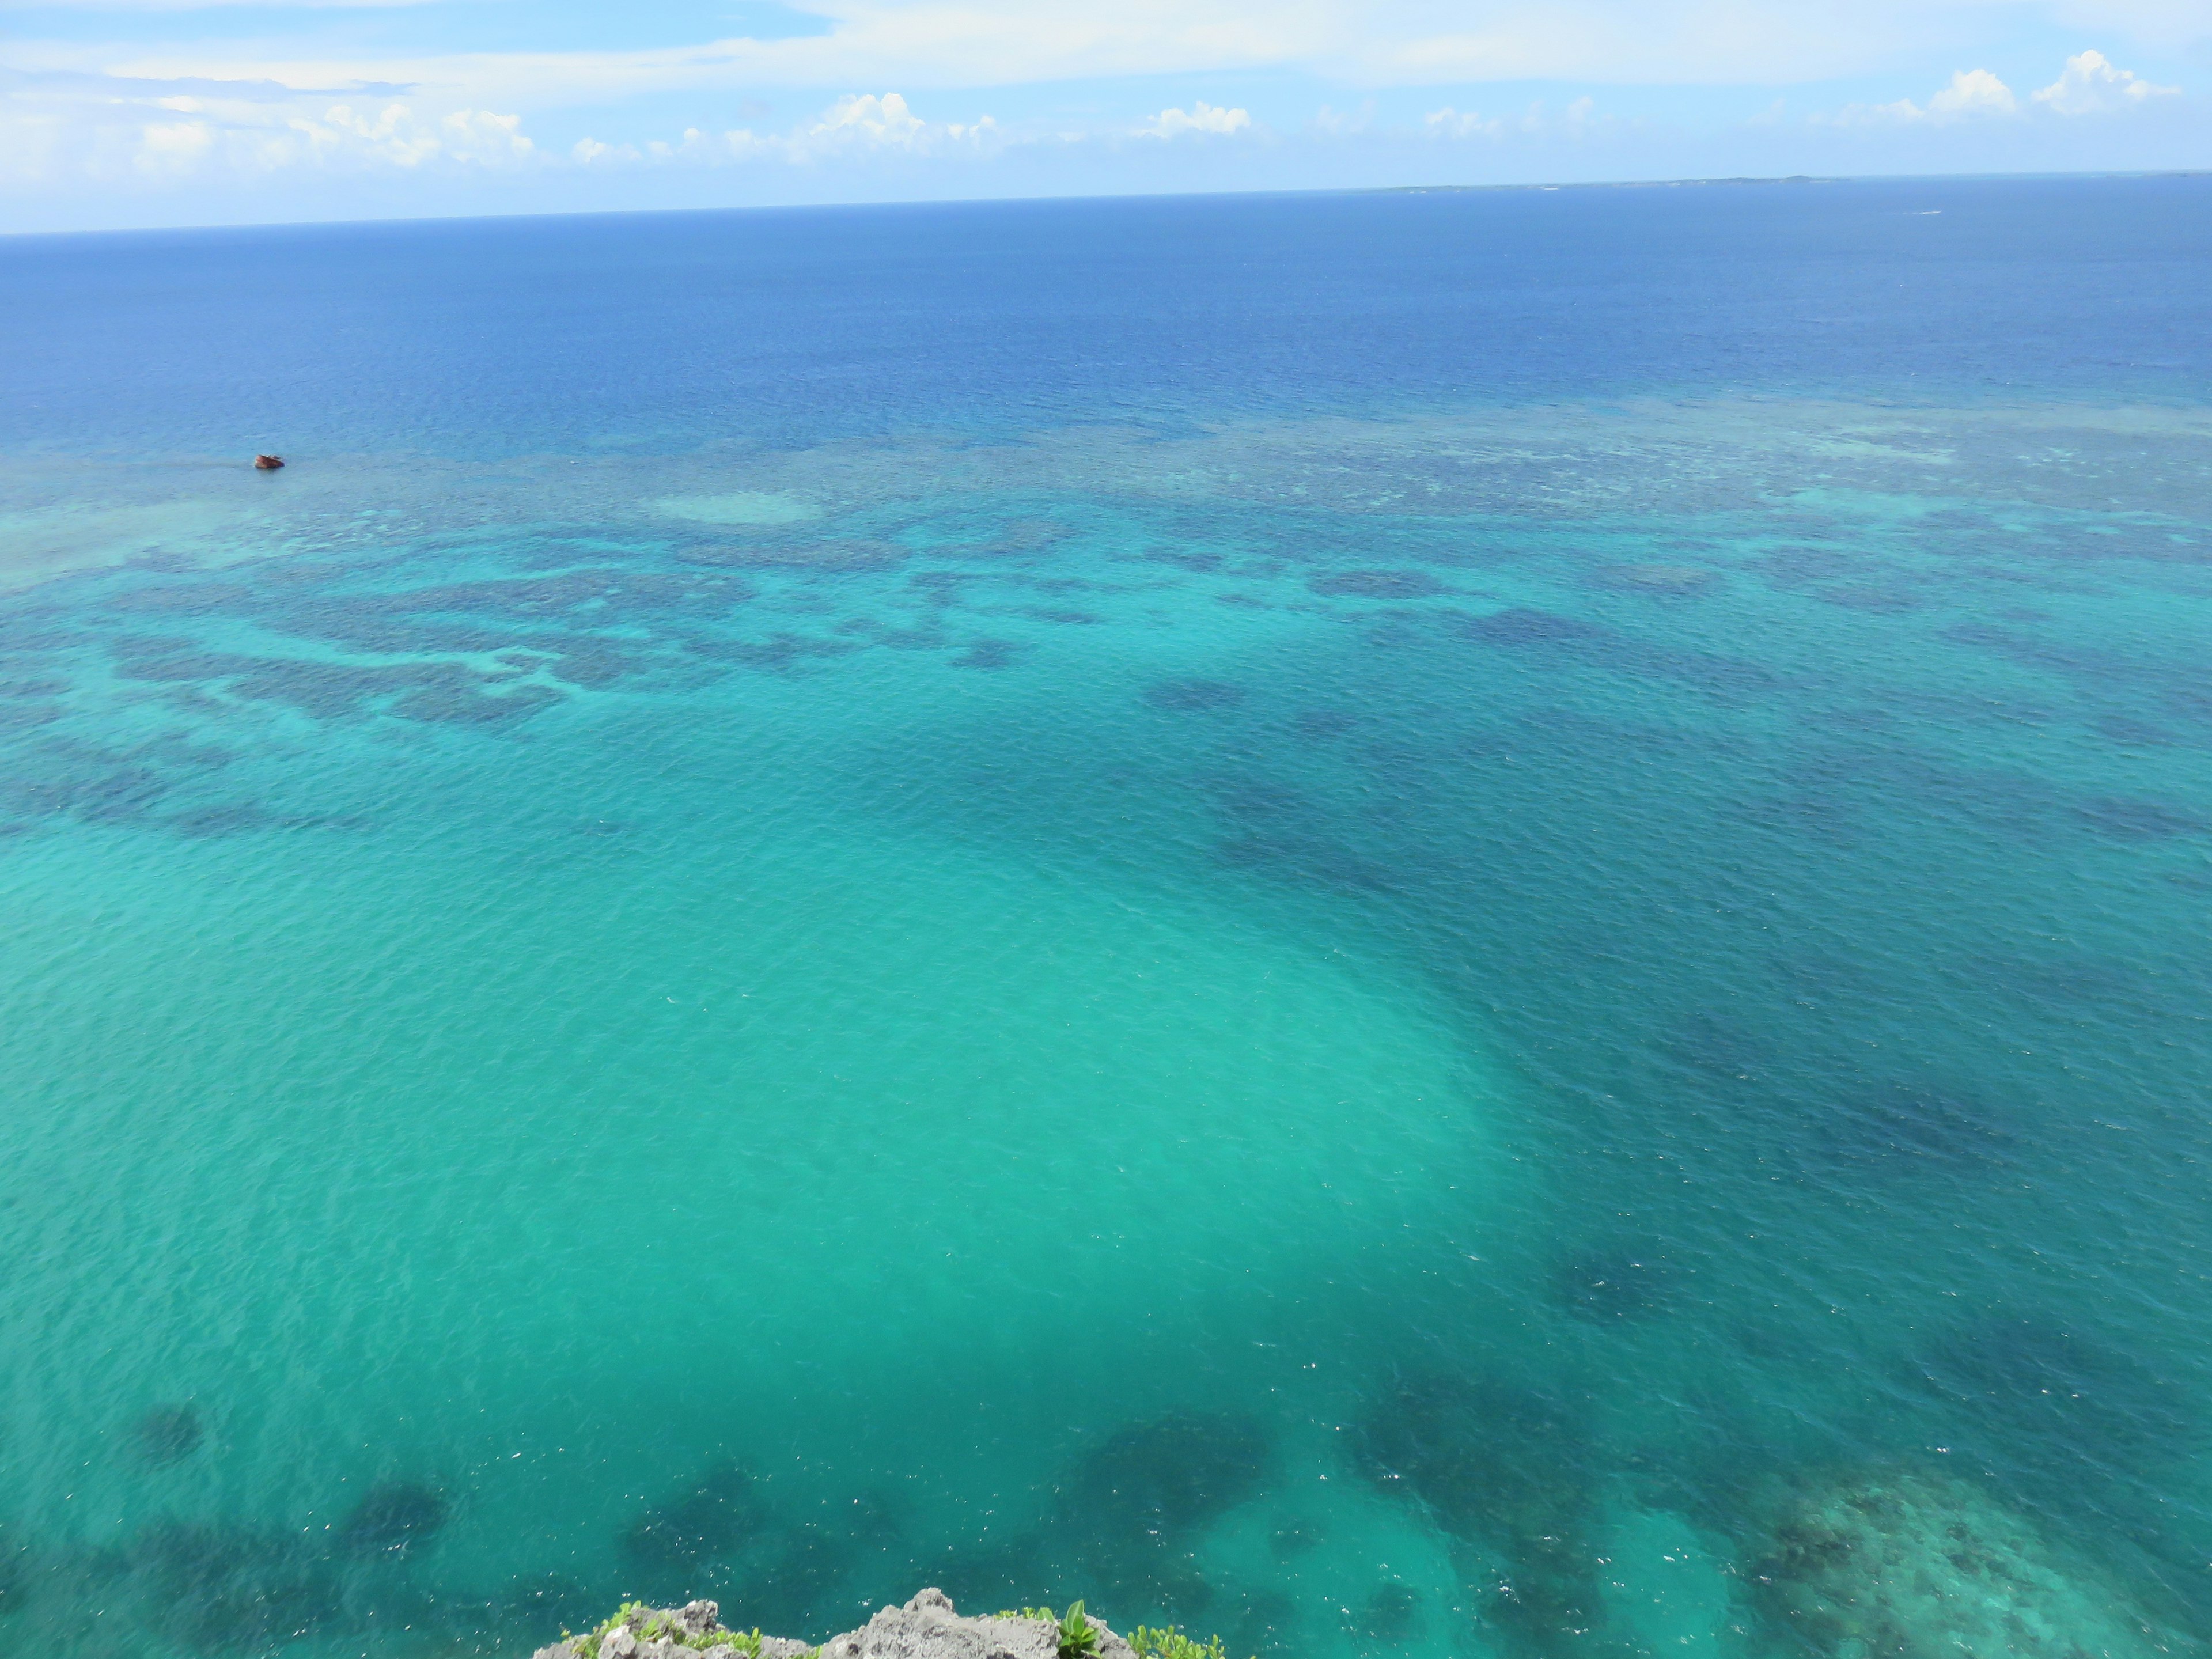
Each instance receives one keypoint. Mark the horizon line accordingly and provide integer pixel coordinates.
(1137, 196)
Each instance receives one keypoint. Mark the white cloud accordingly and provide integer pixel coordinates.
(398, 135)
(966, 43)
(1449, 123)
(172, 138)
(866, 121)
(858, 122)
(1971, 93)
(1578, 117)
(2091, 85)
(169, 148)
(1200, 117)
(922, 44)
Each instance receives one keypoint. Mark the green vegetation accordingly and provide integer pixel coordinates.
(657, 1627)
(1172, 1643)
(1079, 1637)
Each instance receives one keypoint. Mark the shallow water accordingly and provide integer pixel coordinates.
(779, 934)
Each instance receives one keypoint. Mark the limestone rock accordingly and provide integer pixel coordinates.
(928, 1627)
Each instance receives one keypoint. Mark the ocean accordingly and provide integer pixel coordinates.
(1428, 924)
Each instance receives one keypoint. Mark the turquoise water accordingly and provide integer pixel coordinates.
(1471, 1026)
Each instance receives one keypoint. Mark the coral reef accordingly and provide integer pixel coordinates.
(1917, 1567)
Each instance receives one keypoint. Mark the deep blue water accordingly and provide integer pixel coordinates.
(1405, 924)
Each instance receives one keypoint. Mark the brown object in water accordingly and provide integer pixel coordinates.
(267, 463)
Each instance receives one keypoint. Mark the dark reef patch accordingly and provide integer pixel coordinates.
(1175, 1472)
(813, 1573)
(1669, 581)
(1320, 725)
(1523, 627)
(1020, 536)
(1718, 1047)
(2037, 1383)
(710, 1521)
(1616, 1283)
(1122, 1524)
(2126, 819)
(16, 1570)
(460, 704)
(113, 795)
(829, 555)
(2129, 732)
(781, 651)
(210, 822)
(441, 691)
(26, 715)
(392, 1518)
(1545, 634)
(593, 664)
(1391, 1614)
(1902, 1129)
(1189, 695)
(1483, 1456)
(1377, 584)
(169, 1434)
(166, 659)
(989, 653)
(1499, 1465)
(1246, 796)
(1305, 860)
(223, 1588)
(1877, 601)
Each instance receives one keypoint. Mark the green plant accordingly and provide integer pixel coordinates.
(658, 1627)
(1079, 1637)
(1171, 1643)
(588, 1643)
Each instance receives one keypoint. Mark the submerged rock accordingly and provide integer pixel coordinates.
(928, 1627)
(1922, 1567)
(394, 1518)
(169, 1434)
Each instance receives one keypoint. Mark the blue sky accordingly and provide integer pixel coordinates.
(121, 113)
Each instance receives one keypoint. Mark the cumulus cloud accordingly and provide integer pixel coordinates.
(858, 122)
(1973, 93)
(1200, 117)
(2091, 85)
(113, 129)
(1579, 117)
(398, 135)
(1449, 123)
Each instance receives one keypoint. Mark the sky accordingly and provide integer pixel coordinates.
(116, 114)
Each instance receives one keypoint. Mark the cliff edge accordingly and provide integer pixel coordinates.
(927, 1627)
